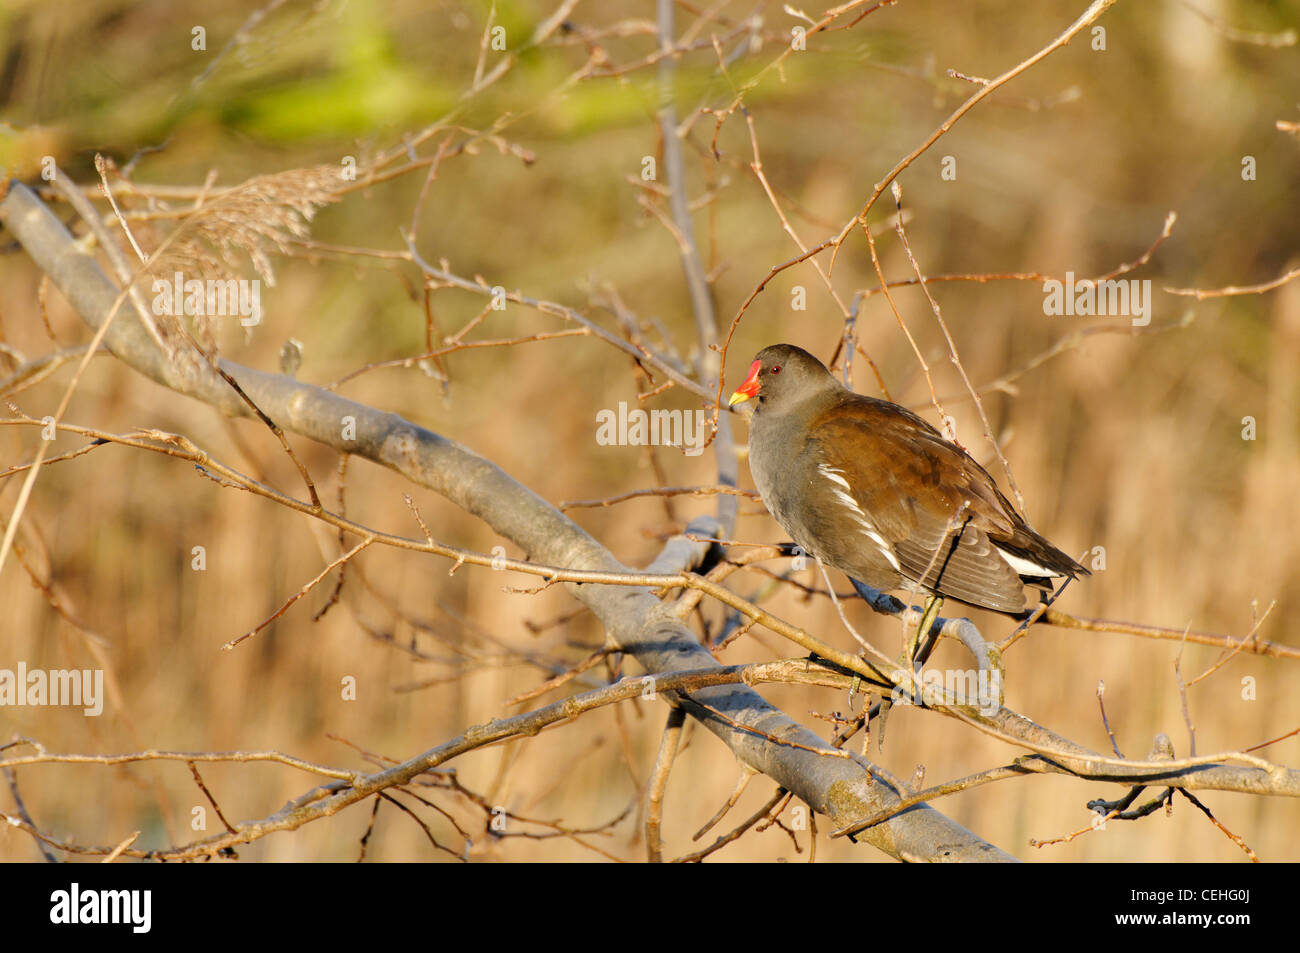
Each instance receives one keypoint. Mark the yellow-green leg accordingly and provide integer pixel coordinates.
(928, 614)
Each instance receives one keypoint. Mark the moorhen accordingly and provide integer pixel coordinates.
(875, 491)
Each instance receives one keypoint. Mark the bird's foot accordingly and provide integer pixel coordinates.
(922, 640)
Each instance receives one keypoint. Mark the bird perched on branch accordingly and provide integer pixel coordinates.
(875, 491)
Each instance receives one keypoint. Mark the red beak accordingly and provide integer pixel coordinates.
(748, 389)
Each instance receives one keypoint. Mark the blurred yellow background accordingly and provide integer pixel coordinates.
(1127, 441)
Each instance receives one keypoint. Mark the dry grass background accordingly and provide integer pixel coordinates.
(1131, 442)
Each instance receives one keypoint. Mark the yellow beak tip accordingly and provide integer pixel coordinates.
(737, 398)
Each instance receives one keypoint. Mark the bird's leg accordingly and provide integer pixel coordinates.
(917, 646)
(987, 654)
(920, 643)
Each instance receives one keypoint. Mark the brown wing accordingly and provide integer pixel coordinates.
(938, 511)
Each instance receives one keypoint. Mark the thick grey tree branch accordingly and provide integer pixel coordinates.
(706, 320)
(635, 620)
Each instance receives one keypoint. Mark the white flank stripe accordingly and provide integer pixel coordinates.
(832, 473)
(1025, 568)
(884, 548)
(850, 502)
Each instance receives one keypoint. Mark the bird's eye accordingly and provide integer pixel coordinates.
(776, 369)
